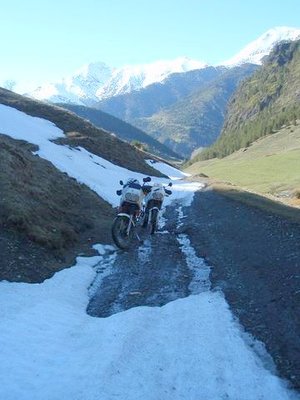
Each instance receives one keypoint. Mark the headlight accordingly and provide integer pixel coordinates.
(132, 197)
(157, 196)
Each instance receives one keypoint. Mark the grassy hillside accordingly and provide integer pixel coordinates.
(270, 166)
(263, 104)
(44, 210)
(122, 129)
(196, 120)
(80, 132)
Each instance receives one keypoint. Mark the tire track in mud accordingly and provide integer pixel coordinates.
(151, 274)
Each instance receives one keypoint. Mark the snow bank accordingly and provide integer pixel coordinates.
(189, 349)
(167, 169)
(182, 192)
(97, 173)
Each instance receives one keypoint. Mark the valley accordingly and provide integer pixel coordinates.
(202, 303)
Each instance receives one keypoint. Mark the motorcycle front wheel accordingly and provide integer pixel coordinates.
(120, 233)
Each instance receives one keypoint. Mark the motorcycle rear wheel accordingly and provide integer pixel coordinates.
(154, 221)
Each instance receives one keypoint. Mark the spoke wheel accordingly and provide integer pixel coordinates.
(120, 233)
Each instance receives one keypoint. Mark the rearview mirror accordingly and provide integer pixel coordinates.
(170, 184)
(121, 183)
(148, 179)
(119, 192)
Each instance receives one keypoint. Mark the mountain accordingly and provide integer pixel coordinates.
(80, 88)
(255, 51)
(195, 120)
(130, 78)
(150, 100)
(265, 102)
(122, 129)
(97, 81)
(176, 113)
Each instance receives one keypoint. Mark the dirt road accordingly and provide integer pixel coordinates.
(255, 260)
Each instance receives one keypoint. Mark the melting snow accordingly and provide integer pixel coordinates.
(189, 349)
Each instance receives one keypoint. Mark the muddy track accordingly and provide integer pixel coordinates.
(151, 274)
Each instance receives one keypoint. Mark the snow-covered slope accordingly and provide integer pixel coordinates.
(256, 50)
(97, 81)
(98, 174)
(79, 88)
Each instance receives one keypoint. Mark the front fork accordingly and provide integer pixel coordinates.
(132, 223)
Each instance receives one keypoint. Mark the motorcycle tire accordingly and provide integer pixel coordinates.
(154, 221)
(119, 232)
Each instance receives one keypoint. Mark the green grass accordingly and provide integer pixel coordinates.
(270, 166)
(266, 175)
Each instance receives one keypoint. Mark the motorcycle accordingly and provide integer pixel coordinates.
(129, 213)
(152, 206)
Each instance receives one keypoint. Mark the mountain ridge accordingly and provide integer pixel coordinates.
(97, 81)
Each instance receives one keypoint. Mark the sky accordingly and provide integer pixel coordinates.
(45, 40)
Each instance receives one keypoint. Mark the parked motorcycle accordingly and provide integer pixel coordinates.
(152, 206)
(129, 212)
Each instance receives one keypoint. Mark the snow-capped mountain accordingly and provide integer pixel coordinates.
(255, 51)
(97, 81)
(79, 88)
(129, 78)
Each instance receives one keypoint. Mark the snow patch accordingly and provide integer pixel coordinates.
(167, 169)
(198, 267)
(190, 348)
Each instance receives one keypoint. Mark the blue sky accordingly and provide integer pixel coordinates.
(46, 40)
